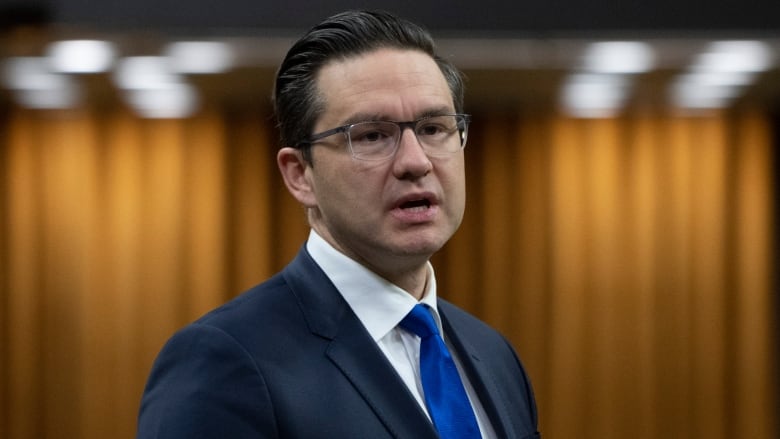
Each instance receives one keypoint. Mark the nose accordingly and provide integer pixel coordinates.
(410, 161)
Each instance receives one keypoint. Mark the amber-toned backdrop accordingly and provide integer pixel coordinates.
(629, 260)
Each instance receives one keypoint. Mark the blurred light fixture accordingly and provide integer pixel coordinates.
(600, 87)
(718, 79)
(622, 57)
(64, 95)
(153, 90)
(695, 95)
(176, 100)
(139, 72)
(81, 56)
(734, 56)
(198, 57)
(719, 74)
(592, 95)
(35, 86)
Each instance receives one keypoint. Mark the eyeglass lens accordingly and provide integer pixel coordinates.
(438, 135)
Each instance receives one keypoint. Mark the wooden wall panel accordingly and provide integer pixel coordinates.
(755, 369)
(629, 260)
(23, 384)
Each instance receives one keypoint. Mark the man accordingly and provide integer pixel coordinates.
(373, 133)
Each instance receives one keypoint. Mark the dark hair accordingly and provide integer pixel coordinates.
(296, 101)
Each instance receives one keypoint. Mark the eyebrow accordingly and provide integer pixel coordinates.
(367, 117)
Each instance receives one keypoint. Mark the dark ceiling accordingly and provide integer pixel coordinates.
(453, 17)
(543, 22)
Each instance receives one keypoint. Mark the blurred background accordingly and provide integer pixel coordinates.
(621, 226)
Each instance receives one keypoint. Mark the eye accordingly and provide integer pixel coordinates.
(371, 136)
(429, 129)
(436, 127)
(372, 132)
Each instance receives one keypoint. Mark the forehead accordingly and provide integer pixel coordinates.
(389, 83)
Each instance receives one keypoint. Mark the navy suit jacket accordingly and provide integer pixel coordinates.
(289, 359)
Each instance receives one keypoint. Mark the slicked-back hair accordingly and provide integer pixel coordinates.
(296, 100)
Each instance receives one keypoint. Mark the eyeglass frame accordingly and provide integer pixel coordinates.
(412, 124)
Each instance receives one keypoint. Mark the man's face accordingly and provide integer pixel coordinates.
(390, 215)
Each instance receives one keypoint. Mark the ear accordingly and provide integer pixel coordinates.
(295, 171)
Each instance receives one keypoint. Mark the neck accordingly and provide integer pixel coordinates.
(408, 272)
(414, 283)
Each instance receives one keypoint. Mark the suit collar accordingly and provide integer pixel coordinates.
(321, 304)
(379, 304)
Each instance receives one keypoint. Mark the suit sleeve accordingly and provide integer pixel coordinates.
(530, 399)
(204, 384)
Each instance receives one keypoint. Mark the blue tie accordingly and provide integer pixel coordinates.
(445, 395)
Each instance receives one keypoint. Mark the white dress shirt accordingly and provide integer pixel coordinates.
(380, 306)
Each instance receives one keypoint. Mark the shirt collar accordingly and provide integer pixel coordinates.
(379, 304)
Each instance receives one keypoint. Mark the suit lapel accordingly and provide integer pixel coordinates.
(366, 367)
(354, 352)
(481, 378)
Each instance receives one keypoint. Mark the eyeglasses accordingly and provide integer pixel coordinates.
(377, 140)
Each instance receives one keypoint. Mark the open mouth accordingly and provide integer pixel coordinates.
(420, 204)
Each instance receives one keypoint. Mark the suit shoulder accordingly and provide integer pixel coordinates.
(462, 318)
(475, 332)
(255, 304)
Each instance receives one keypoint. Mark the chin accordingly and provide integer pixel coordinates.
(423, 245)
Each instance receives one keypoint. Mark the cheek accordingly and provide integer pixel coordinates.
(454, 185)
(344, 188)
(453, 178)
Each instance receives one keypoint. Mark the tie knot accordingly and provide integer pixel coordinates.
(420, 321)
